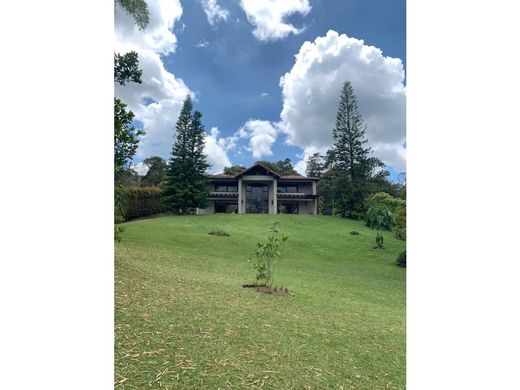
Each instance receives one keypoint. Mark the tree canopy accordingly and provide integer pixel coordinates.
(138, 9)
(126, 68)
(234, 170)
(186, 181)
(157, 168)
(282, 167)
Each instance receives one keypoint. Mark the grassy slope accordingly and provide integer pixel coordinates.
(183, 321)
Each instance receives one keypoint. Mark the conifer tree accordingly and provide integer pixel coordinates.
(349, 156)
(315, 165)
(186, 183)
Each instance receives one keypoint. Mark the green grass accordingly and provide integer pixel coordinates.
(183, 321)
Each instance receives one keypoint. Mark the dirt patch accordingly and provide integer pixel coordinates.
(268, 290)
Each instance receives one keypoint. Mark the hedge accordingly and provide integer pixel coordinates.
(141, 201)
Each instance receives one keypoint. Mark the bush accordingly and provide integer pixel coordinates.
(380, 218)
(142, 201)
(401, 259)
(218, 232)
(357, 215)
(384, 199)
(354, 233)
(400, 224)
(379, 241)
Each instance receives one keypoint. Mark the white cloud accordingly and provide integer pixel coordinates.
(214, 12)
(268, 17)
(141, 168)
(201, 44)
(311, 92)
(264, 94)
(158, 35)
(216, 151)
(261, 134)
(158, 84)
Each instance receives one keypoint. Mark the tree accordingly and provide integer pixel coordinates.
(350, 157)
(282, 167)
(138, 9)
(285, 167)
(157, 168)
(126, 68)
(266, 254)
(234, 170)
(126, 138)
(315, 165)
(186, 182)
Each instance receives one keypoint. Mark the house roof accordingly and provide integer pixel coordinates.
(244, 172)
(297, 177)
(255, 166)
(221, 176)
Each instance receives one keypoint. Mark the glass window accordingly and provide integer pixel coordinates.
(220, 188)
(292, 189)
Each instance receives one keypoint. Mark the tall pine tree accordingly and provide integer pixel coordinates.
(350, 156)
(186, 182)
(315, 165)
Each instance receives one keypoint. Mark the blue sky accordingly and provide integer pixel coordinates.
(231, 55)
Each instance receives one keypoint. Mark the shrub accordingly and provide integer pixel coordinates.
(379, 241)
(401, 259)
(380, 218)
(400, 223)
(384, 199)
(400, 233)
(357, 215)
(266, 253)
(354, 233)
(142, 201)
(218, 232)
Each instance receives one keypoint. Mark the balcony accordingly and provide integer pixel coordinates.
(223, 194)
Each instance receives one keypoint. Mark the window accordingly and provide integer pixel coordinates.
(287, 208)
(291, 188)
(226, 188)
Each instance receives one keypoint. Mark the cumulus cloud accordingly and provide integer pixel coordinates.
(268, 17)
(156, 102)
(261, 134)
(140, 168)
(214, 12)
(311, 93)
(216, 150)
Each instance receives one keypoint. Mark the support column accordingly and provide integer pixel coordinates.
(315, 199)
(275, 196)
(240, 199)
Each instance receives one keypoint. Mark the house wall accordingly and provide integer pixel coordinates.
(306, 208)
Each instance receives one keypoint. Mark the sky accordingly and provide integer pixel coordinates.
(267, 75)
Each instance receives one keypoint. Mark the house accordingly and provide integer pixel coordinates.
(259, 190)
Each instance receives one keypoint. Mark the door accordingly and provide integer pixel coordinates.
(257, 199)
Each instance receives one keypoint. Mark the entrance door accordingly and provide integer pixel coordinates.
(257, 199)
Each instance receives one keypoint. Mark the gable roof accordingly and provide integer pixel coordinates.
(269, 171)
(298, 177)
(256, 165)
(221, 176)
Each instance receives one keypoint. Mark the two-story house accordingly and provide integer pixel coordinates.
(259, 190)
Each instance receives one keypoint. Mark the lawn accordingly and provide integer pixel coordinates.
(183, 321)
